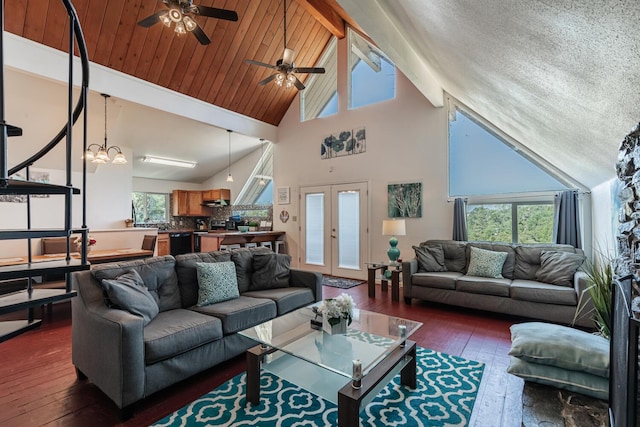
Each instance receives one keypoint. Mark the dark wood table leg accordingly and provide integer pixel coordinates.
(408, 373)
(254, 357)
(348, 411)
(371, 281)
(384, 284)
(395, 285)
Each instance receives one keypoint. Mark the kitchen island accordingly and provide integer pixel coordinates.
(213, 239)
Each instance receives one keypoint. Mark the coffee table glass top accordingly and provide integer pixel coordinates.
(370, 338)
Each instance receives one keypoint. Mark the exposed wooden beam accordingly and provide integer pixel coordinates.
(326, 12)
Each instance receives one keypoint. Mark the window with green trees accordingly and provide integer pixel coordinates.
(511, 222)
(150, 207)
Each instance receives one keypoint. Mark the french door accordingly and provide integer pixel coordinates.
(334, 238)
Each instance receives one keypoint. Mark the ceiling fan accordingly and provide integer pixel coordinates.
(285, 68)
(181, 12)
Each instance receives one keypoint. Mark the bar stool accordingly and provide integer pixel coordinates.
(267, 245)
(250, 245)
(281, 247)
(229, 247)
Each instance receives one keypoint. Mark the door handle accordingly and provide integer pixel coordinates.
(333, 236)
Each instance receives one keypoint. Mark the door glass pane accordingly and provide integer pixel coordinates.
(489, 223)
(349, 229)
(314, 229)
(535, 223)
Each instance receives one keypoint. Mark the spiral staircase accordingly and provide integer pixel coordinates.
(32, 297)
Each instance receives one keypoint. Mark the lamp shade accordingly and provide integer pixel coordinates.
(393, 227)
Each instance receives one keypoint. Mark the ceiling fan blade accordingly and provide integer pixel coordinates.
(311, 70)
(268, 79)
(298, 84)
(150, 20)
(262, 64)
(200, 35)
(213, 12)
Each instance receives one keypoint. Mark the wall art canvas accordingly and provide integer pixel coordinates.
(345, 143)
(21, 176)
(405, 200)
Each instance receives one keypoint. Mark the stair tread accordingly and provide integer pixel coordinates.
(21, 299)
(13, 130)
(17, 186)
(12, 328)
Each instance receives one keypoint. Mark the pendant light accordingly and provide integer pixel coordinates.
(229, 177)
(262, 182)
(102, 156)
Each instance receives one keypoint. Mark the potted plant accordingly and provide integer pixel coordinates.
(600, 280)
(253, 226)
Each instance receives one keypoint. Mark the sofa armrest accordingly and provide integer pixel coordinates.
(409, 268)
(585, 305)
(307, 279)
(107, 344)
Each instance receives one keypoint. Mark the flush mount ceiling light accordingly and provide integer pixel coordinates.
(229, 177)
(102, 155)
(169, 162)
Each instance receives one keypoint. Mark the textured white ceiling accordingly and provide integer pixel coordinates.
(561, 77)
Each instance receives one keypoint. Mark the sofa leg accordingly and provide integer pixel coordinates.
(407, 300)
(126, 413)
(80, 375)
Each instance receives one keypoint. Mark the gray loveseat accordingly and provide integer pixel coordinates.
(129, 361)
(519, 292)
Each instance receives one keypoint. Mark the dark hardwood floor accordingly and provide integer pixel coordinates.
(38, 385)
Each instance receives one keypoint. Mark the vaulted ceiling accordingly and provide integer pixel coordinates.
(214, 73)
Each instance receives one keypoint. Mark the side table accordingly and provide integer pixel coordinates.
(395, 268)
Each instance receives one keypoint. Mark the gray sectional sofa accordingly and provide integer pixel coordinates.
(131, 356)
(525, 288)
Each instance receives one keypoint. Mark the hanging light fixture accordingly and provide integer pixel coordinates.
(229, 177)
(262, 182)
(102, 155)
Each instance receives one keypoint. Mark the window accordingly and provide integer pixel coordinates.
(372, 76)
(320, 98)
(150, 207)
(254, 192)
(518, 222)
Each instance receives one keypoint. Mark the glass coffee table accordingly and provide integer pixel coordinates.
(348, 370)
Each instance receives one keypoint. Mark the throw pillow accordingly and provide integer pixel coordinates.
(128, 292)
(558, 267)
(217, 282)
(270, 271)
(430, 258)
(484, 263)
(560, 346)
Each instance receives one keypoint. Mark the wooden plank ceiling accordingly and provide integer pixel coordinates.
(215, 73)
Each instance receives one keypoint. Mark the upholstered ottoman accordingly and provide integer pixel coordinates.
(560, 356)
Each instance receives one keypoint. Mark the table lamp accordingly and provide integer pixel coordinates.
(393, 228)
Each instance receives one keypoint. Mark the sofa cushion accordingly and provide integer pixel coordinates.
(483, 285)
(175, 332)
(558, 267)
(243, 258)
(216, 282)
(443, 280)
(576, 381)
(430, 258)
(270, 271)
(528, 258)
(531, 290)
(485, 263)
(560, 346)
(188, 276)
(158, 274)
(128, 292)
(454, 254)
(509, 263)
(240, 313)
(286, 299)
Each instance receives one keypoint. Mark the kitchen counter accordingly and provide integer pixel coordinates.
(212, 240)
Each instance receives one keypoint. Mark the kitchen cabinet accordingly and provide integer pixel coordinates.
(189, 203)
(209, 243)
(163, 244)
(217, 194)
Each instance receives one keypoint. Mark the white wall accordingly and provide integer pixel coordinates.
(406, 142)
(162, 186)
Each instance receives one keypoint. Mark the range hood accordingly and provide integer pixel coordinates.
(216, 203)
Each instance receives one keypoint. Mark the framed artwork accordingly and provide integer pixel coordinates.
(404, 200)
(345, 143)
(283, 194)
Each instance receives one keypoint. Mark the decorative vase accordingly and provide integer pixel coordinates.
(338, 328)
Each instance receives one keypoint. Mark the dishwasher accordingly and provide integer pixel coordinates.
(180, 243)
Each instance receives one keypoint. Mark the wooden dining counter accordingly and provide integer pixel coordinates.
(213, 239)
(94, 256)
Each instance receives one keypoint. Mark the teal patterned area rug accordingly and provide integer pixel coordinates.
(446, 391)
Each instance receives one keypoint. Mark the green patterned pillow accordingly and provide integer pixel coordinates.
(484, 263)
(217, 282)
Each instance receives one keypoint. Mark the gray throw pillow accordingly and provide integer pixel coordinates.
(217, 282)
(484, 263)
(558, 268)
(270, 271)
(128, 292)
(430, 258)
